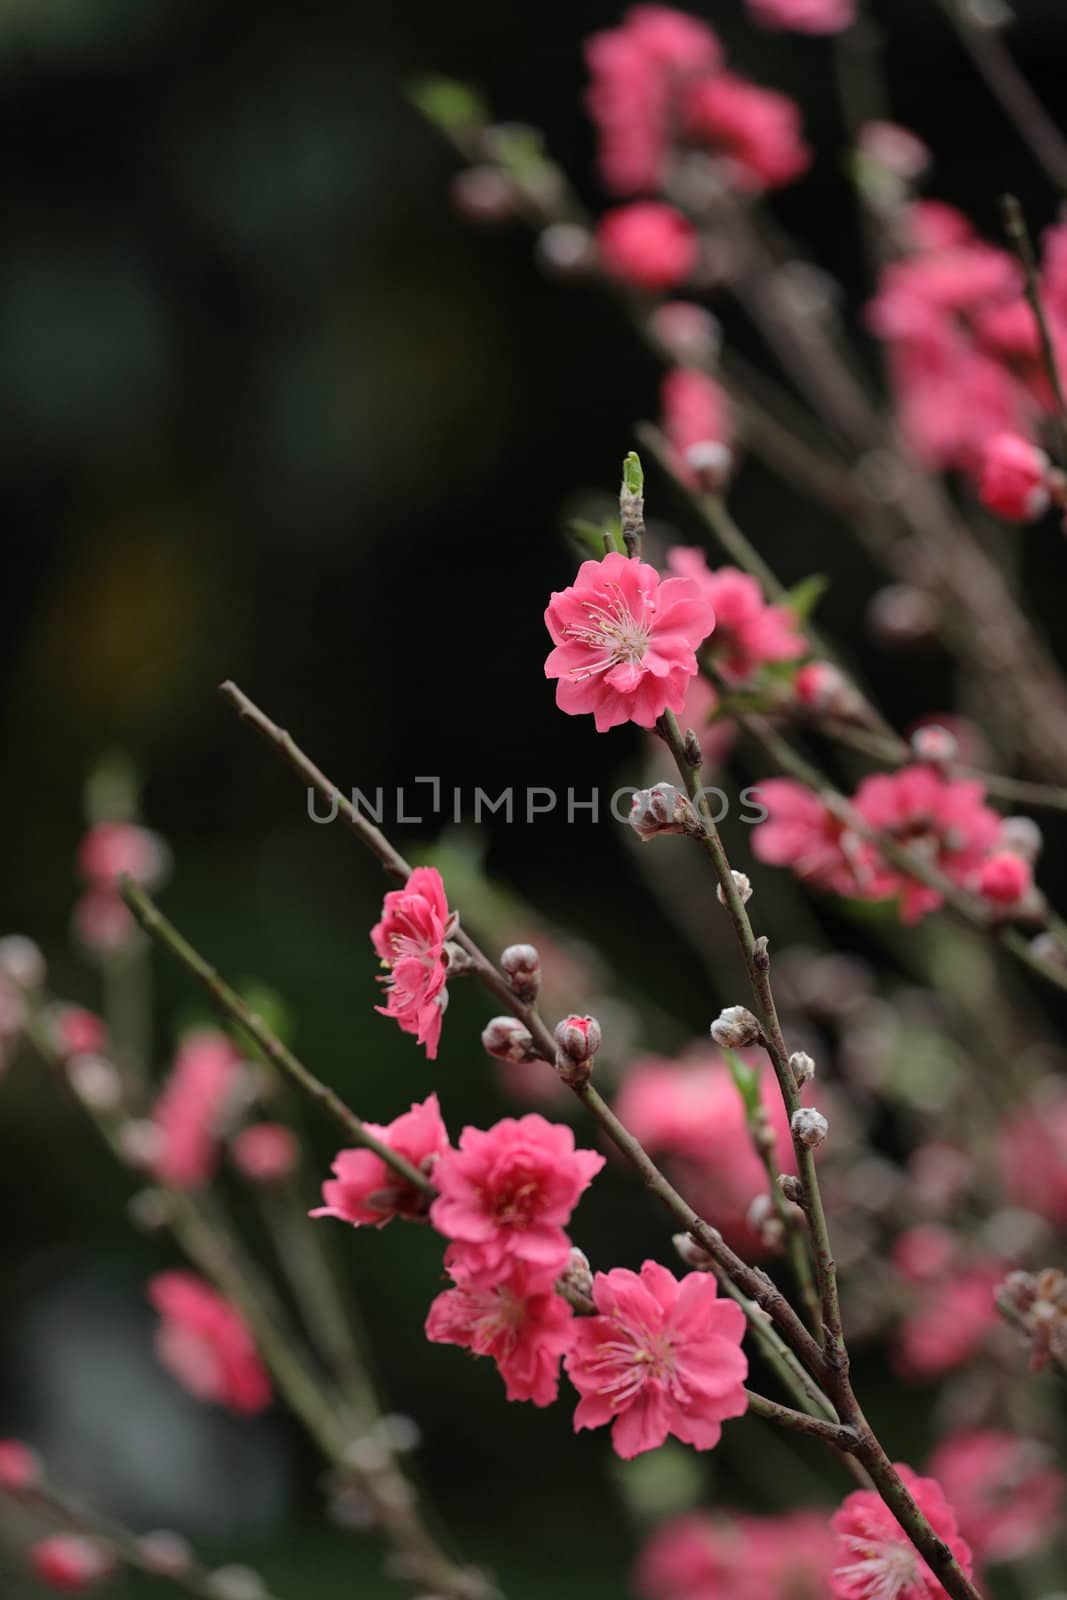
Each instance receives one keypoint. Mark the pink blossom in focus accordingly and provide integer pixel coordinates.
(205, 1343)
(757, 130)
(70, 1562)
(365, 1191)
(1032, 1153)
(1005, 878)
(190, 1112)
(660, 1357)
(410, 941)
(1014, 478)
(804, 16)
(20, 1468)
(1006, 1494)
(749, 633)
(945, 820)
(690, 1113)
(950, 1323)
(519, 1320)
(875, 1558)
(625, 641)
(265, 1152)
(647, 243)
(695, 414)
(637, 71)
(506, 1194)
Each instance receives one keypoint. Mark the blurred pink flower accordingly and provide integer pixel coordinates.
(875, 1558)
(70, 1562)
(804, 16)
(625, 641)
(191, 1109)
(114, 850)
(757, 130)
(1005, 878)
(20, 1468)
(950, 1323)
(1013, 479)
(205, 1343)
(506, 1195)
(410, 941)
(802, 834)
(697, 424)
(661, 1357)
(702, 1557)
(1006, 1493)
(365, 1191)
(1032, 1150)
(647, 243)
(519, 1320)
(265, 1152)
(749, 633)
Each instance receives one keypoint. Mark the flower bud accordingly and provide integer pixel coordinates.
(809, 1127)
(765, 1222)
(689, 334)
(663, 809)
(900, 614)
(566, 249)
(935, 744)
(735, 1028)
(20, 1468)
(483, 194)
(802, 1067)
(1004, 878)
(692, 1254)
(506, 1039)
(791, 1188)
(165, 1553)
(822, 688)
(237, 1583)
(265, 1152)
(70, 1562)
(578, 1040)
(577, 1276)
(139, 1142)
(96, 1082)
(402, 1434)
(711, 460)
(522, 963)
(21, 962)
(743, 885)
(1023, 836)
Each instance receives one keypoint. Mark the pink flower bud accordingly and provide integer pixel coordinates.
(897, 150)
(522, 963)
(1014, 478)
(809, 1127)
(935, 744)
(663, 809)
(743, 885)
(647, 244)
(114, 850)
(21, 962)
(735, 1029)
(70, 1562)
(578, 1038)
(483, 194)
(75, 1030)
(821, 688)
(96, 1082)
(1023, 836)
(506, 1039)
(689, 335)
(165, 1553)
(103, 922)
(1005, 878)
(577, 1276)
(20, 1468)
(266, 1152)
(900, 614)
(566, 250)
(802, 1067)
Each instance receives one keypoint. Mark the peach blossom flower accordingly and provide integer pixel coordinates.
(190, 1111)
(205, 1343)
(519, 1320)
(647, 243)
(410, 940)
(758, 131)
(365, 1191)
(70, 1562)
(1005, 1490)
(749, 633)
(876, 1560)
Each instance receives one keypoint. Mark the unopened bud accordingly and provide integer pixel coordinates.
(664, 809)
(21, 962)
(935, 744)
(506, 1039)
(139, 1142)
(577, 1277)
(150, 1210)
(566, 249)
(1047, 947)
(522, 964)
(95, 1081)
(691, 1253)
(765, 1222)
(712, 461)
(802, 1067)
(690, 336)
(693, 753)
(399, 1432)
(1023, 836)
(743, 885)
(901, 615)
(735, 1028)
(809, 1127)
(578, 1040)
(821, 687)
(483, 194)
(791, 1188)
(165, 1553)
(237, 1583)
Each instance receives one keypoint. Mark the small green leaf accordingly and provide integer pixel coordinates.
(746, 1082)
(804, 596)
(633, 475)
(448, 104)
(590, 537)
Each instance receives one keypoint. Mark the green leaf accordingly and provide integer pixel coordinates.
(805, 595)
(590, 536)
(448, 104)
(633, 475)
(746, 1082)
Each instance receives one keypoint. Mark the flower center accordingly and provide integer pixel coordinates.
(887, 1575)
(613, 633)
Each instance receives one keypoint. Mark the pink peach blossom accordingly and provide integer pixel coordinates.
(625, 641)
(660, 1357)
(506, 1194)
(700, 1557)
(637, 71)
(950, 1323)
(76, 1031)
(875, 1558)
(205, 1343)
(20, 1468)
(749, 633)
(696, 422)
(647, 243)
(365, 1191)
(519, 1320)
(102, 922)
(1014, 478)
(1006, 1493)
(804, 16)
(265, 1152)
(1032, 1154)
(690, 1113)
(1005, 878)
(758, 131)
(801, 833)
(70, 1562)
(189, 1113)
(114, 850)
(410, 941)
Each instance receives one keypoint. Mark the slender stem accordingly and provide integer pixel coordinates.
(895, 752)
(250, 1022)
(840, 1436)
(1019, 234)
(986, 49)
(933, 1549)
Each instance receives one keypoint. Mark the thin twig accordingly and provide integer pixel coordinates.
(1019, 234)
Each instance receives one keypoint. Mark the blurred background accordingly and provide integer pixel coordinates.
(271, 411)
